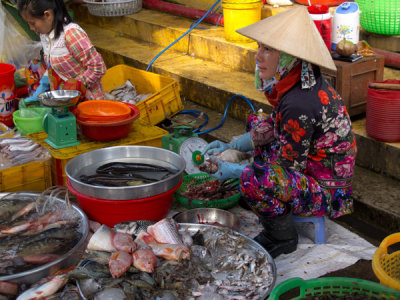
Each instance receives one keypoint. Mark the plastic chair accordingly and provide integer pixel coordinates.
(319, 227)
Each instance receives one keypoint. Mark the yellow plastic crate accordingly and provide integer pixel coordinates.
(141, 134)
(33, 176)
(165, 99)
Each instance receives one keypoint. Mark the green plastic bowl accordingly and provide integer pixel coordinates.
(199, 179)
(29, 120)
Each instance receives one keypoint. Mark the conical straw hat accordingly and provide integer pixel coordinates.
(293, 32)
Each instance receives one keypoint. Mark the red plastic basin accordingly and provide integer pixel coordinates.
(111, 212)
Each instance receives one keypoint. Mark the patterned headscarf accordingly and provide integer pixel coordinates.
(285, 65)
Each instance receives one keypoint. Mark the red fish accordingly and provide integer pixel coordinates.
(8, 288)
(144, 260)
(119, 263)
(123, 242)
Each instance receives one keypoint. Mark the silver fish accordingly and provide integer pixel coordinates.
(48, 288)
(166, 232)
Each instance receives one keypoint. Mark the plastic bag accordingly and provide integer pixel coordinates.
(15, 48)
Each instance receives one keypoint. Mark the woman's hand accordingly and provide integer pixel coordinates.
(226, 169)
(243, 143)
(215, 147)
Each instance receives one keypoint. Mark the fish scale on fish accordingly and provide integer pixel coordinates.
(133, 227)
(166, 231)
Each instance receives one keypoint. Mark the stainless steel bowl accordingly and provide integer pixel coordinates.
(71, 258)
(192, 229)
(60, 97)
(87, 163)
(209, 216)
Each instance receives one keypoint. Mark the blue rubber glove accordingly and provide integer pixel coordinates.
(226, 169)
(43, 87)
(215, 147)
(242, 143)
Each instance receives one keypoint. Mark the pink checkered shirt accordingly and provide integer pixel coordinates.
(72, 55)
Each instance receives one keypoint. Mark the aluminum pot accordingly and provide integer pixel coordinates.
(87, 163)
(71, 258)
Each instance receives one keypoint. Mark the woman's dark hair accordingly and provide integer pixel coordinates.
(36, 8)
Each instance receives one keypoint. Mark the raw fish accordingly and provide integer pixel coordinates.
(119, 263)
(101, 240)
(144, 260)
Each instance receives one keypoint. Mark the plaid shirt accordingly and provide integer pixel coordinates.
(72, 55)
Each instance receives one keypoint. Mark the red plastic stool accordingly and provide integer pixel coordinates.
(319, 227)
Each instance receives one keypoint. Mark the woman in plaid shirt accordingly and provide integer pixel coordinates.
(71, 59)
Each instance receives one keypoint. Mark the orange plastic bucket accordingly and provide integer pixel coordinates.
(7, 94)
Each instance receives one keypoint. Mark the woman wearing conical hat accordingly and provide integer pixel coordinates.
(304, 151)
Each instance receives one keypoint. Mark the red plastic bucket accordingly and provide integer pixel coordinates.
(7, 94)
(322, 19)
(111, 212)
(383, 113)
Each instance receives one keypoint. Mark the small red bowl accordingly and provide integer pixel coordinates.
(108, 131)
(111, 212)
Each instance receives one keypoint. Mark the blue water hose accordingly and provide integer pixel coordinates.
(226, 112)
(178, 39)
(197, 113)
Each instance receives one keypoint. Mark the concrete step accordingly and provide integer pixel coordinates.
(207, 83)
(162, 29)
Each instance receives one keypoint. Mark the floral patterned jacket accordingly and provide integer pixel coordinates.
(314, 134)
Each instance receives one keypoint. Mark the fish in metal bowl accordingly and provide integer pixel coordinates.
(40, 234)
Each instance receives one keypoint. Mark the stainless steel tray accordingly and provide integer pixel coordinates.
(88, 162)
(71, 258)
(193, 228)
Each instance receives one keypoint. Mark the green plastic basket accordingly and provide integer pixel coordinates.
(380, 16)
(199, 179)
(336, 286)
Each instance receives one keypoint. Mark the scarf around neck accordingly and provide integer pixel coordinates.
(286, 64)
